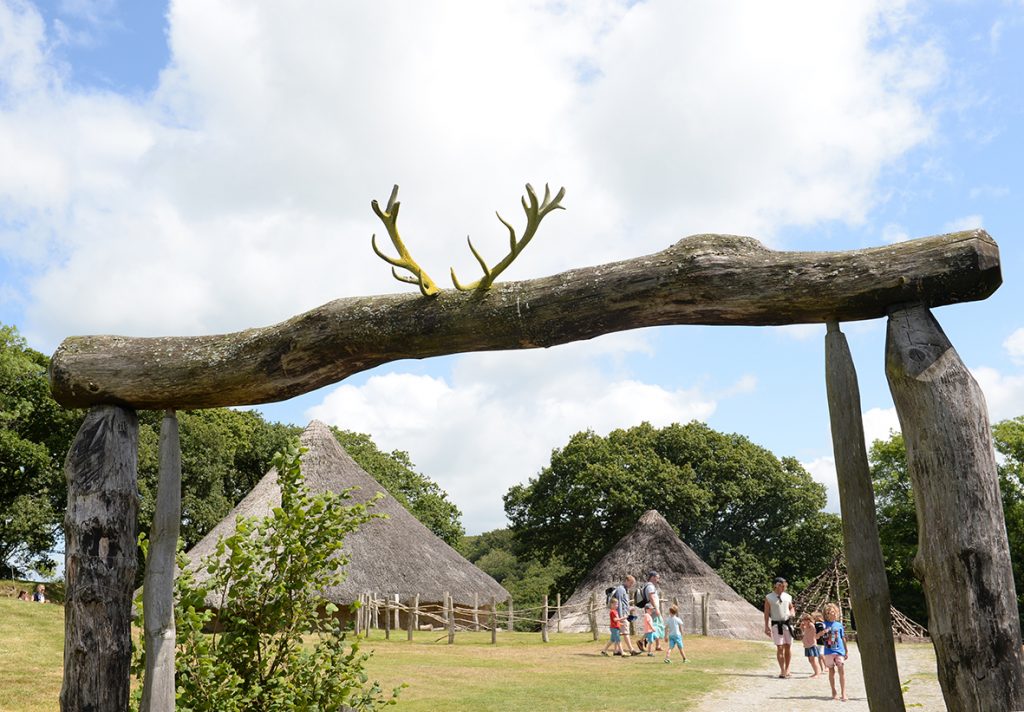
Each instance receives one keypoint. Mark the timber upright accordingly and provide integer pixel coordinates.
(704, 279)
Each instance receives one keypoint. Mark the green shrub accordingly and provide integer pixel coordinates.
(277, 645)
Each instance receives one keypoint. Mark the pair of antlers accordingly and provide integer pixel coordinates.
(535, 212)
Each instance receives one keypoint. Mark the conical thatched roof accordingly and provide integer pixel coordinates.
(654, 546)
(386, 556)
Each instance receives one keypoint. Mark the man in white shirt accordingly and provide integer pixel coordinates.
(778, 610)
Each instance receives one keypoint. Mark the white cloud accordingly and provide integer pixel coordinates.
(968, 222)
(992, 192)
(893, 232)
(823, 470)
(880, 424)
(1014, 345)
(1004, 394)
(241, 186)
(495, 420)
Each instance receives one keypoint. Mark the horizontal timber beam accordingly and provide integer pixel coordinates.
(703, 279)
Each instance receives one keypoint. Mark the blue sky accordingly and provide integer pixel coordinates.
(207, 166)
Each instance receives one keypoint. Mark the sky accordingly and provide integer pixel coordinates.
(205, 166)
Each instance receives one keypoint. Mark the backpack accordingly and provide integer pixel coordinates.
(609, 595)
(640, 599)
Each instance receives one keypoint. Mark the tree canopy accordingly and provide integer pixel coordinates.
(35, 434)
(897, 516)
(734, 502)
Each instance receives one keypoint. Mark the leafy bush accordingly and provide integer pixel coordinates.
(277, 645)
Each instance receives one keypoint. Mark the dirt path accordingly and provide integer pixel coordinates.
(760, 689)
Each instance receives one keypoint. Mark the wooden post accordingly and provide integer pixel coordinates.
(450, 602)
(100, 560)
(705, 612)
(398, 617)
(511, 618)
(593, 615)
(558, 612)
(476, 611)
(494, 620)
(158, 688)
(416, 612)
(544, 621)
(869, 588)
(410, 621)
(963, 558)
(387, 619)
(374, 621)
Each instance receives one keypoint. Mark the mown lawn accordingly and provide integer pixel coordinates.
(520, 673)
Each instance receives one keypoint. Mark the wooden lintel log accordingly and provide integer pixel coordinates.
(963, 557)
(100, 560)
(869, 587)
(704, 279)
(158, 690)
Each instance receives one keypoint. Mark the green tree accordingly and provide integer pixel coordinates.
(720, 491)
(35, 434)
(274, 649)
(424, 499)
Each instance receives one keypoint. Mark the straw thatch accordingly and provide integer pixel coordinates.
(386, 556)
(685, 579)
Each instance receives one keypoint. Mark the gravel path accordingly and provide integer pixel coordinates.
(760, 689)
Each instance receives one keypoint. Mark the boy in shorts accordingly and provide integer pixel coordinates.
(615, 625)
(674, 629)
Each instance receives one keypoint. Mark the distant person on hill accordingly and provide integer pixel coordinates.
(778, 612)
(621, 594)
(23, 595)
(615, 626)
(835, 649)
(40, 595)
(674, 629)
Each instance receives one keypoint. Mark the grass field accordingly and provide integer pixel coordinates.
(520, 673)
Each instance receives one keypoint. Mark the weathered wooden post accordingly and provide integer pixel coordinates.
(592, 611)
(544, 621)
(963, 556)
(511, 618)
(450, 603)
(158, 689)
(410, 622)
(558, 612)
(476, 611)
(100, 560)
(416, 612)
(494, 620)
(398, 614)
(869, 588)
(387, 619)
(705, 612)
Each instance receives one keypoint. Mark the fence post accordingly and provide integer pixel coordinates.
(511, 618)
(544, 621)
(558, 612)
(705, 610)
(593, 614)
(416, 612)
(398, 617)
(451, 619)
(410, 620)
(476, 611)
(387, 619)
(375, 608)
(494, 620)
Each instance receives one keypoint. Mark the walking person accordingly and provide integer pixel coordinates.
(778, 612)
(621, 595)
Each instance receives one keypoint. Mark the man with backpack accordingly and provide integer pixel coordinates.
(648, 594)
(621, 594)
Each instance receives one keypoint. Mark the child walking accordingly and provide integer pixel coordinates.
(615, 625)
(835, 650)
(809, 636)
(674, 628)
(649, 630)
(659, 629)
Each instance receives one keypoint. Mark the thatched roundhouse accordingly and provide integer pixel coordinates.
(654, 546)
(396, 555)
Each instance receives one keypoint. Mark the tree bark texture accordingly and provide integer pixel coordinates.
(704, 279)
(161, 565)
(869, 588)
(963, 555)
(100, 543)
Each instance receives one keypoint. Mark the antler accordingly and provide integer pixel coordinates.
(404, 260)
(535, 212)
